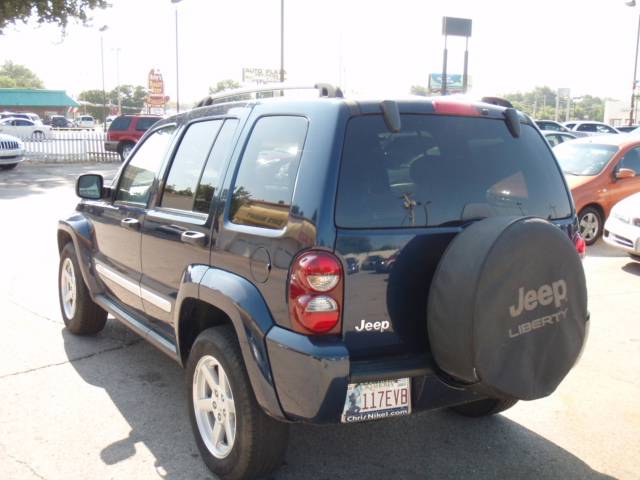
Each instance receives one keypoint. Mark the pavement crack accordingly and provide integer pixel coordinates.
(72, 361)
(26, 464)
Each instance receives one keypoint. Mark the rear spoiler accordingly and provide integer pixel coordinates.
(501, 102)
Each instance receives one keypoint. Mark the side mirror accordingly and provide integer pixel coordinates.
(625, 173)
(89, 186)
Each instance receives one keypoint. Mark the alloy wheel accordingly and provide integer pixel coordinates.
(68, 292)
(214, 407)
(589, 226)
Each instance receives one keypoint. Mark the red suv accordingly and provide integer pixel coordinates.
(125, 131)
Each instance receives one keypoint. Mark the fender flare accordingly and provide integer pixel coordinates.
(242, 302)
(81, 232)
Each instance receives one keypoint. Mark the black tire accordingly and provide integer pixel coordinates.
(589, 215)
(483, 408)
(635, 257)
(88, 318)
(9, 166)
(260, 441)
(124, 149)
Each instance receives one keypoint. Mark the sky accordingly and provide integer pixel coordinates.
(368, 47)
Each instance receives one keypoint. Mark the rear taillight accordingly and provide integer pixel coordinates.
(581, 245)
(315, 293)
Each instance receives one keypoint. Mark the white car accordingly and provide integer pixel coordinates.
(590, 128)
(11, 151)
(622, 229)
(24, 129)
(85, 121)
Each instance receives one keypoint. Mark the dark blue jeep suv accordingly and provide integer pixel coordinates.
(233, 239)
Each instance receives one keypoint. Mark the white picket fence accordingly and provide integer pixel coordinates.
(69, 145)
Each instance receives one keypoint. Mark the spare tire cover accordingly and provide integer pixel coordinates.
(507, 307)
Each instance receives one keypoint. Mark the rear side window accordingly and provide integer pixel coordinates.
(120, 124)
(145, 124)
(264, 184)
(188, 162)
(444, 171)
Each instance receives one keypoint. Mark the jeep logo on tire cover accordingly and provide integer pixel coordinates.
(555, 293)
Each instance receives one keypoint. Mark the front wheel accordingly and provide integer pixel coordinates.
(9, 166)
(235, 437)
(483, 408)
(590, 222)
(80, 314)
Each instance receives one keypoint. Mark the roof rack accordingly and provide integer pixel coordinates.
(325, 90)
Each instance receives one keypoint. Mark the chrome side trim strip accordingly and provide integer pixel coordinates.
(145, 294)
(125, 283)
(155, 299)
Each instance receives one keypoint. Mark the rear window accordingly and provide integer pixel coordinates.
(444, 171)
(120, 124)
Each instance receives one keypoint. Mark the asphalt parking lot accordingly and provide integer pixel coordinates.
(112, 407)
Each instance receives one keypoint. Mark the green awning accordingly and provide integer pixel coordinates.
(28, 97)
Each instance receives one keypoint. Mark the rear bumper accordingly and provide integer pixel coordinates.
(311, 376)
(111, 146)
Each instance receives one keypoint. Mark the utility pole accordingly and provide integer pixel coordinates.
(635, 77)
(118, 81)
(104, 93)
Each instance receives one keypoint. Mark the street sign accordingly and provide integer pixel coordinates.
(261, 75)
(564, 92)
(454, 83)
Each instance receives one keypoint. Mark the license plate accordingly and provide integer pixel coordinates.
(376, 400)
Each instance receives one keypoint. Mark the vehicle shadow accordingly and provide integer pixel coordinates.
(38, 178)
(633, 268)
(601, 249)
(148, 390)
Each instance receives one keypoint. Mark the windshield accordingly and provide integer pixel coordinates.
(583, 158)
(444, 171)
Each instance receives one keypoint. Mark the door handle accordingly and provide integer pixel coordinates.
(194, 238)
(131, 223)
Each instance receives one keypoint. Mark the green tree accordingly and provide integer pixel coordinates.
(541, 103)
(419, 90)
(46, 11)
(222, 85)
(13, 75)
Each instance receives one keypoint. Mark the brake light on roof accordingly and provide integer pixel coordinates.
(315, 293)
(452, 107)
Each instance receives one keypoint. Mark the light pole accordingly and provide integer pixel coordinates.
(632, 3)
(281, 40)
(118, 80)
(103, 29)
(177, 63)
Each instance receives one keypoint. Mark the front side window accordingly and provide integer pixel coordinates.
(444, 171)
(186, 169)
(587, 127)
(140, 172)
(264, 185)
(632, 160)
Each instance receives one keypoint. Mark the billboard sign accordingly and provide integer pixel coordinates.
(261, 75)
(458, 27)
(454, 83)
(155, 84)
